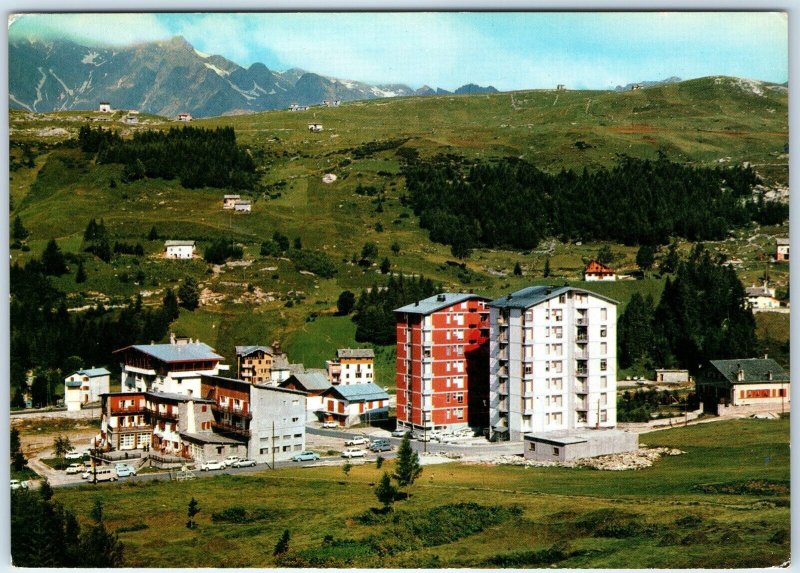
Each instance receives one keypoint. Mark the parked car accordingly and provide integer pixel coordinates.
(305, 457)
(229, 460)
(400, 432)
(73, 455)
(104, 474)
(380, 445)
(422, 437)
(75, 469)
(356, 441)
(17, 484)
(124, 470)
(212, 465)
(330, 425)
(354, 453)
(244, 463)
(87, 474)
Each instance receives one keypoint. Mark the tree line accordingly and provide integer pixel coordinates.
(702, 315)
(374, 309)
(198, 157)
(53, 342)
(511, 203)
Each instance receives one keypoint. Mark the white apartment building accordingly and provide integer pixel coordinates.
(552, 361)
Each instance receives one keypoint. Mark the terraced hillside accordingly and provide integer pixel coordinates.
(56, 189)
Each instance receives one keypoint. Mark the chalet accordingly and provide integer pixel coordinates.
(596, 271)
(312, 383)
(253, 363)
(85, 386)
(331, 103)
(179, 249)
(316, 127)
(105, 107)
(351, 366)
(269, 421)
(782, 249)
(124, 422)
(175, 368)
(185, 116)
(761, 298)
(132, 118)
(743, 382)
(228, 201)
(242, 206)
(354, 403)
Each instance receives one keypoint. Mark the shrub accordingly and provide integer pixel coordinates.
(234, 514)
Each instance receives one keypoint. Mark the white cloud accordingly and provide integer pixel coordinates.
(108, 29)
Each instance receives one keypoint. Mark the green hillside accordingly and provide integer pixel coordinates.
(56, 190)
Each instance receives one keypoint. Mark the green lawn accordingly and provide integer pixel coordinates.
(657, 517)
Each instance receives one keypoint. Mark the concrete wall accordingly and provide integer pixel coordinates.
(597, 444)
(279, 424)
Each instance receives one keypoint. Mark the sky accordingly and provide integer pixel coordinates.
(509, 50)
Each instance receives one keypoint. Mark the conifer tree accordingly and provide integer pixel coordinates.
(408, 468)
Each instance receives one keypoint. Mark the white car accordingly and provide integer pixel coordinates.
(76, 469)
(330, 425)
(230, 460)
(354, 453)
(244, 463)
(73, 455)
(87, 474)
(17, 484)
(212, 465)
(357, 441)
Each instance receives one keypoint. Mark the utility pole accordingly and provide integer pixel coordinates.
(273, 445)
(94, 465)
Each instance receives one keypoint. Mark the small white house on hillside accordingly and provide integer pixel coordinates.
(184, 116)
(105, 107)
(761, 297)
(85, 386)
(179, 249)
(228, 201)
(242, 206)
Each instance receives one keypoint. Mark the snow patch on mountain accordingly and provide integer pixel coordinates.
(201, 54)
(90, 58)
(220, 72)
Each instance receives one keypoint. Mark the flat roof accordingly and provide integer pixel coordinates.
(567, 437)
(533, 295)
(355, 353)
(210, 438)
(177, 397)
(438, 302)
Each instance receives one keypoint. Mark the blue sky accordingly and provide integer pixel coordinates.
(507, 50)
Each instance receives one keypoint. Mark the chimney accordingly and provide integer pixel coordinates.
(172, 337)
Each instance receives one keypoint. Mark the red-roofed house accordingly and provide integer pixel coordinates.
(595, 271)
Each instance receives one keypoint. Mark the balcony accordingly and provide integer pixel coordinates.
(131, 429)
(502, 372)
(502, 355)
(581, 321)
(231, 409)
(128, 410)
(502, 389)
(502, 405)
(581, 388)
(231, 429)
(581, 353)
(427, 391)
(163, 415)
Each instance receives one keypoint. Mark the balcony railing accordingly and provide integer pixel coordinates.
(231, 428)
(231, 409)
(581, 321)
(581, 354)
(163, 414)
(582, 372)
(128, 410)
(130, 429)
(502, 355)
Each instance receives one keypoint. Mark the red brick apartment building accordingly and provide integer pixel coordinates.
(443, 362)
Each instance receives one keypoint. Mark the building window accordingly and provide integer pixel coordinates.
(603, 332)
(558, 349)
(295, 419)
(558, 331)
(447, 397)
(287, 448)
(603, 381)
(460, 397)
(562, 299)
(603, 314)
(556, 451)
(604, 348)
(603, 365)
(531, 446)
(558, 314)
(557, 417)
(603, 399)
(203, 409)
(604, 415)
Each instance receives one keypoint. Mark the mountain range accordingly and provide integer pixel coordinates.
(169, 77)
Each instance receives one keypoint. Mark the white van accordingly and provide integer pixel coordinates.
(105, 474)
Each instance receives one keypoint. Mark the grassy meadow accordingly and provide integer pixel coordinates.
(724, 503)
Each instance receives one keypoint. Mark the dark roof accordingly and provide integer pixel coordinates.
(534, 295)
(783, 240)
(247, 350)
(209, 438)
(755, 370)
(210, 379)
(438, 302)
(176, 352)
(310, 381)
(359, 392)
(355, 353)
